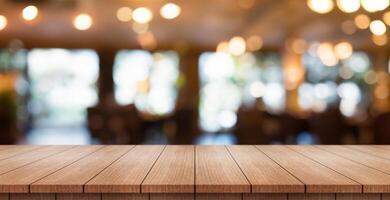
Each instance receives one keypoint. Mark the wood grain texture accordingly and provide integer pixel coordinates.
(218, 196)
(8, 151)
(316, 177)
(217, 172)
(173, 172)
(380, 164)
(172, 197)
(385, 196)
(72, 178)
(4, 196)
(78, 196)
(264, 197)
(32, 197)
(358, 196)
(127, 174)
(373, 181)
(311, 197)
(26, 158)
(372, 150)
(264, 175)
(111, 196)
(18, 181)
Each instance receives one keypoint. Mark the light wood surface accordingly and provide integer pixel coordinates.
(19, 180)
(372, 180)
(316, 177)
(217, 172)
(173, 172)
(72, 178)
(190, 172)
(126, 174)
(264, 175)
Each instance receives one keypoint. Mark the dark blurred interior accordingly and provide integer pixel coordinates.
(194, 72)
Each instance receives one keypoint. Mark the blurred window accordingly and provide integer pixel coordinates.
(229, 82)
(63, 85)
(148, 80)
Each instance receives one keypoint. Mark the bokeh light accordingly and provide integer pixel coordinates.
(254, 43)
(142, 15)
(124, 14)
(343, 50)
(362, 21)
(380, 40)
(374, 6)
(348, 6)
(377, 27)
(386, 18)
(223, 47)
(30, 13)
(170, 11)
(82, 22)
(237, 46)
(321, 6)
(3, 22)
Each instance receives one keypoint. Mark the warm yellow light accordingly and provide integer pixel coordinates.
(362, 21)
(237, 46)
(380, 40)
(3, 22)
(147, 40)
(343, 50)
(348, 6)
(321, 6)
(124, 14)
(374, 5)
(223, 47)
(170, 11)
(386, 18)
(82, 22)
(142, 15)
(299, 45)
(377, 27)
(140, 28)
(246, 4)
(30, 13)
(326, 54)
(254, 43)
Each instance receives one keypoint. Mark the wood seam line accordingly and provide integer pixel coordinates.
(361, 189)
(154, 163)
(29, 186)
(107, 166)
(242, 171)
(71, 147)
(371, 154)
(304, 185)
(21, 153)
(351, 160)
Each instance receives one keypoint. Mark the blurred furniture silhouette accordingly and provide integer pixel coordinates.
(381, 127)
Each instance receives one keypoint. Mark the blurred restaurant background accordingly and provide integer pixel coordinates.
(194, 72)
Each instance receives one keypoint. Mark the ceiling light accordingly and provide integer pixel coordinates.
(348, 6)
(374, 6)
(142, 15)
(170, 11)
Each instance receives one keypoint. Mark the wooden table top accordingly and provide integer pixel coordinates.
(194, 169)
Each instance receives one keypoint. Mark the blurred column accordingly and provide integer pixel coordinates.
(106, 83)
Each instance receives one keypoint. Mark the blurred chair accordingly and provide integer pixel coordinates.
(249, 128)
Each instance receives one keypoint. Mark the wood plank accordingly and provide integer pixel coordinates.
(263, 173)
(217, 172)
(172, 197)
(4, 196)
(26, 158)
(373, 181)
(111, 196)
(18, 181)
(358, 196)
(218, 196)
(127, 174)
(380, 164)
(265, 197)
(173, 172)
(72, 178)
(311, 196)
(27, 196)
(83, 196)
(372, 150)
(316, 177)
(385, 196)
(8, 151)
